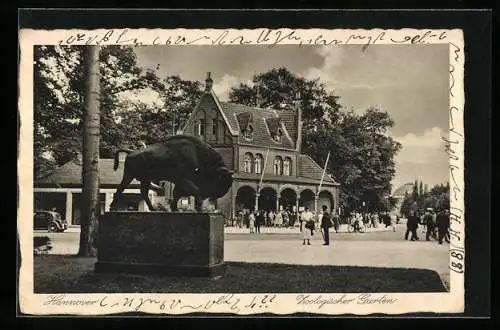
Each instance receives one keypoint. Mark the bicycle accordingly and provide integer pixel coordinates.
(352, 228)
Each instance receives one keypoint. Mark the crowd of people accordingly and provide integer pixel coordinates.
(436, 224)
(261, 218)
(373, 220)
(305, 219)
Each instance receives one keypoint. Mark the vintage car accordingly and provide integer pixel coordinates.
(49, 220)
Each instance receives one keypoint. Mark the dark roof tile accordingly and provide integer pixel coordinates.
(71, 174)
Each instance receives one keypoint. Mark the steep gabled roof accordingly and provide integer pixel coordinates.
(308, 168)
(70, 174)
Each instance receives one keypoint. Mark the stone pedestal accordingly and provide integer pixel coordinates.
(177, 244)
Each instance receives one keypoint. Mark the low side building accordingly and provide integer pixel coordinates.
(61, 190)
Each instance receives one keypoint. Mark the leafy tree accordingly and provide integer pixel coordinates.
(438, 198)
(58, 95)
(405, 205)
(362, 154)
(278, 88)
(57, 106)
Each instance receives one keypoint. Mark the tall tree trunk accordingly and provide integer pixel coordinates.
(90, 208)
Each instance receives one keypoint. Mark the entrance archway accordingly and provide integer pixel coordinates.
(326, 198)
(245, 198)
(288, 199)
(307, 199)
(267, 199)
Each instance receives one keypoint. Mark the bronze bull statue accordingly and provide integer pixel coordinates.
(192, 165)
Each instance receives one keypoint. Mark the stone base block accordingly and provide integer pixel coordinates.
(174, 244)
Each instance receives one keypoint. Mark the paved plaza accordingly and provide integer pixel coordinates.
(374, 249)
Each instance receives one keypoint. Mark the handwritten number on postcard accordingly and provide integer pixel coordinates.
(457, 260)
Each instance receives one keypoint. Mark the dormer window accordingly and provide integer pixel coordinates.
(278, 137)
(248, 132)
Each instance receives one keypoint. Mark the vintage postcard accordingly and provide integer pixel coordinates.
(241, 171)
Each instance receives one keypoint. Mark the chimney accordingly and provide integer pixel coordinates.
(298, 109)
(208, 83)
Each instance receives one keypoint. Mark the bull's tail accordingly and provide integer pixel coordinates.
(117, 159)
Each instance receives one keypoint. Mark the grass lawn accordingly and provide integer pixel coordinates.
(71, 274)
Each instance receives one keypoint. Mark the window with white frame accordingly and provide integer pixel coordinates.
(247, 163)
(258, 163)
(200, 129)
(278, 166)
(287, 166)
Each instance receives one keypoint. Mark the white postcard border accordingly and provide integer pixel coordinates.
(243, 304)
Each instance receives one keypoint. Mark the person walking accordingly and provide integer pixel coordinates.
(308, 230)
(272, 218)
(286, 218)
(326, 224)
(443, 225)
(428, 220)
(336, 221)
(293, 218)
(251, 222)
(394, 220)
(259, 220)
(411, 226)
(279, 219)
(301, 220)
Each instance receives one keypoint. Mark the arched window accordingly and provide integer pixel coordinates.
(248, 132)
(201, 127)
(278, 166)
(247, 163)
(258, 163)
(287, 166)
(278, 137)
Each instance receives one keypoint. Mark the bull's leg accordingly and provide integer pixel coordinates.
(145, 185)
(198, 203)
(175, 199)
(121, 187)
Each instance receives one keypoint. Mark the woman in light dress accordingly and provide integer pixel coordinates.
(251, 222)
(279, 219)
(394, 220)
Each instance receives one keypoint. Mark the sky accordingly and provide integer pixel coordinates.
(409, 82)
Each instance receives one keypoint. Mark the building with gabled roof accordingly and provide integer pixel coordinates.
(263, 148)
(61, 189)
